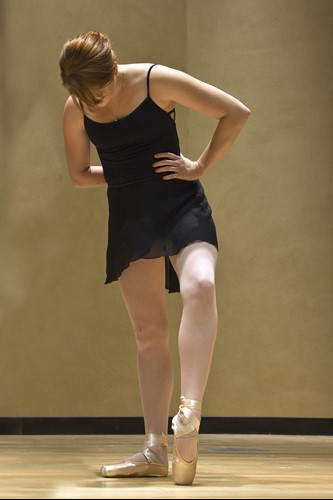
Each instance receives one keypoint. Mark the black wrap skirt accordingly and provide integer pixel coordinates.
(156, 218)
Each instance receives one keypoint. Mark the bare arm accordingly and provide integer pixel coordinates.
(178, 87)
(77, 149)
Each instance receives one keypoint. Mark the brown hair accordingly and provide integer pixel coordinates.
(87, 61)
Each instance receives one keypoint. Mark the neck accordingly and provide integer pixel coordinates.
(120, 81)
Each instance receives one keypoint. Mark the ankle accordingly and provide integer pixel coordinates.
(161, 453)
(156, 448)
(194, 405)
(187, 421)
(153, 440)
(197, 413)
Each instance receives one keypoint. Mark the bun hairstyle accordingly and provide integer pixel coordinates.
(87, 61)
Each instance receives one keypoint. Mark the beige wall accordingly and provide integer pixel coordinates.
(273, 203)
(66, 343)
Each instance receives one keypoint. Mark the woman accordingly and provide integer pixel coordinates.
(161, 232)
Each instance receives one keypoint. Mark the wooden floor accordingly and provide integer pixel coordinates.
(230, 466)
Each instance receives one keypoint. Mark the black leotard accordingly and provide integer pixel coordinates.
(148, 216)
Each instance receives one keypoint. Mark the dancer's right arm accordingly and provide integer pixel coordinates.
(77, 149)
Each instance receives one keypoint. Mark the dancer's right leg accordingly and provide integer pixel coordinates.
(143, 289)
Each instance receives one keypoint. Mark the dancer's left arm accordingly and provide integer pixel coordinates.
(177, 87)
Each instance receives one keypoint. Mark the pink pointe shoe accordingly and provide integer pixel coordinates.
(185, 424)
(151, 467)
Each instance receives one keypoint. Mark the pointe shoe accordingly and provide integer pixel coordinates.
(151, 467)
(185, 424)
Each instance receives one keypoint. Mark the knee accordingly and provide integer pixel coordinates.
(151, 337)
(199, 291)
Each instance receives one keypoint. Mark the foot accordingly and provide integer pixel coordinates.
(188, 446)
(161, 453)
(185, 448)
(153, 461)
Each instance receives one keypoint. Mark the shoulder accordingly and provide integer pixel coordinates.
(73, 116)
(135, 70)
(166, 73)
(169, 82)
(72, 111)
(72, 107)
(159, 72)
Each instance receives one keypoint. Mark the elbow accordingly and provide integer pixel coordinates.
(77, 182)
(78, 178)
(245, 112)
(238, 113)
(78, 185)
(242, 114)
(78, 174)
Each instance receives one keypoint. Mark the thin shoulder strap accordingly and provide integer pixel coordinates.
(148, 75)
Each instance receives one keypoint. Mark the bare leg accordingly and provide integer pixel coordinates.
(143, 288)
(195, 266)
